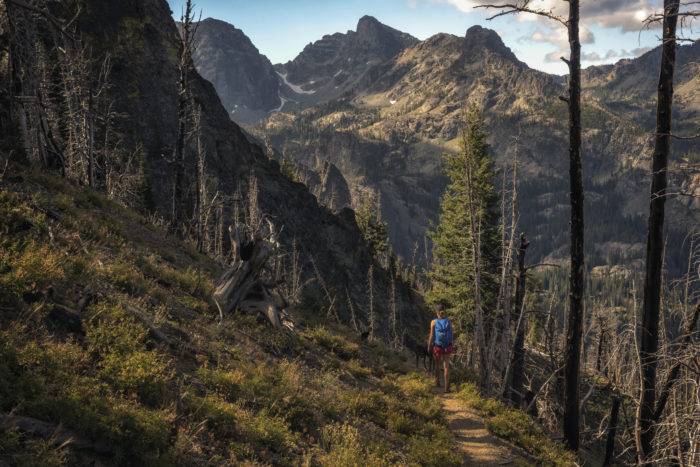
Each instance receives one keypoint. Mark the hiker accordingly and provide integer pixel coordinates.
(440, 344)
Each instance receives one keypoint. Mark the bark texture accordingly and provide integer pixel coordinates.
(575, 321)
(649, 332)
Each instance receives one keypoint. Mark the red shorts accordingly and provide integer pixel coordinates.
(439, 351)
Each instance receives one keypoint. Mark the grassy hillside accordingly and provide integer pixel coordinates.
(145, 373)
(111, 351)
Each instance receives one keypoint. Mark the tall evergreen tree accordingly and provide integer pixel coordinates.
(467, 238)
(374, 229)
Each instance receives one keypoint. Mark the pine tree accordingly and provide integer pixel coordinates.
(374, 229)
(467, 238)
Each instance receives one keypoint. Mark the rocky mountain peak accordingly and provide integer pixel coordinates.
(382, 38)
(340, 63)
(477, 39)
(217, 23)
(368, 23)
(244, 78)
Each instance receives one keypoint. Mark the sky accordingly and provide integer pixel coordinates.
(280, 29)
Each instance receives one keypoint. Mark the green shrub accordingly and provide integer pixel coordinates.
(370, 405)
(335, 343)
(399, 422)
(220, 415)
(189, 281)
(229, 420)
(17, 216)
(345, 448)
(266, 431)
(32, 452)
(69, 396)
(414, 386)
(285, 390)
(195, 304)
(138, 434)
(143, 373)
(356, 368)
(16, 384)
(125, 276)
(29, 267)
(229, 384)
(112, 331)
(434, 446)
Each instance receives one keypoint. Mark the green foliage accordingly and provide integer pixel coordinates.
(125, 276)
(18, 217)
(14, 385)
(189, 280)
(112, 331)
(30, 453)
(53, 382)
(145, 374)
(289, 168)
(227, 383)
(29, 266)
(346, 448)
(118, 342)
(469, 204)
(366, 404)
(434, 446)
(334, 343)
(374, 230)
(517, 427)
(356, 368)
(252, 429)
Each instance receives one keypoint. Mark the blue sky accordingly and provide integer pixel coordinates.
(281, 28)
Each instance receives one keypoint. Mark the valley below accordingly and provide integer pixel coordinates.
(382, 108)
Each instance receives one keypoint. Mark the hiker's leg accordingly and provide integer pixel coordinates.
(437, 371)
(446, 363)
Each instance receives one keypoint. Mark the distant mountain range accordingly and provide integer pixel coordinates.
(381, 107)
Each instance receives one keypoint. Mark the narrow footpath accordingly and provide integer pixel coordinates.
(477, 446)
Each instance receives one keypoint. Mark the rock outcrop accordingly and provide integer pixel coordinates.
(244, 78)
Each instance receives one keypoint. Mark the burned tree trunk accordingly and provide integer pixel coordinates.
(518, 356)
(649, 332)
(245, 285)
(575, 321)
(185, 66)
(612, 432)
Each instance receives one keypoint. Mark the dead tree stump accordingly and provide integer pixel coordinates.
(246, 285)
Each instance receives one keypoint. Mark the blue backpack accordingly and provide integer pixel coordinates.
(443, 333)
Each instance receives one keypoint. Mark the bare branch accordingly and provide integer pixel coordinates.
(521, 7)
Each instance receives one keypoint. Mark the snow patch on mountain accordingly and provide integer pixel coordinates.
(297, 89)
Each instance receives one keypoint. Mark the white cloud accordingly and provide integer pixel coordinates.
(465, 6)
(640, 51)
(591, 57)
(558, 38)
(625, 15)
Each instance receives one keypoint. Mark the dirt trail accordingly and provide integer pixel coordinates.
(475, 443)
